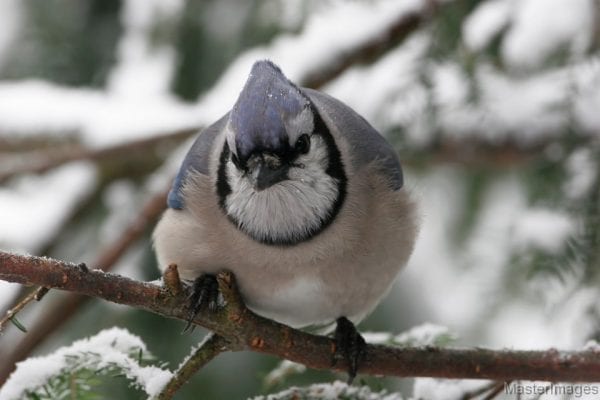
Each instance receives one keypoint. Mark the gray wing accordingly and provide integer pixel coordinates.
(198, 159)
(367, 145)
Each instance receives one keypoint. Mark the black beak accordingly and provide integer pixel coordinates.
(267, 176)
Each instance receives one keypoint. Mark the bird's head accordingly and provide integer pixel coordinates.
(281, 178)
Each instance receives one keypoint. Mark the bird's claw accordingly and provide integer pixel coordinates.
(349, 346)
(204, 293)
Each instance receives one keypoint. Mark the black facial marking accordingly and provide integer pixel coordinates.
(236, 161)
(335, 169)
(223, 188)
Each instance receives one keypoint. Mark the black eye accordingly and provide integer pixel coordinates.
(303, 144)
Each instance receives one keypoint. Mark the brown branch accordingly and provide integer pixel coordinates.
(487, 388)
(495, 391)
(477, 153)
(372, 48)
(12, 312)
(212, 346)
(246, 330)
(62, 310)
(42, 161)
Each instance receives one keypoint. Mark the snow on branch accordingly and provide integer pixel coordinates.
(42, 161)
(245, 330)
(110, 352)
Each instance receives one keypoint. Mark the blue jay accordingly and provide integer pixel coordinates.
(301, 199)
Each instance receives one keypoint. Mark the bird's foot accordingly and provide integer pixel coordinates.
(349, 346)
(204, 292)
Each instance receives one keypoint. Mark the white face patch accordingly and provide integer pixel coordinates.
(230, 138)
(291, 209)
(299, 124)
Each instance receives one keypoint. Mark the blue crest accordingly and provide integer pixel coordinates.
(257, 118)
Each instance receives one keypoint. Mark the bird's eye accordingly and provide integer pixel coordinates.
(303, 144)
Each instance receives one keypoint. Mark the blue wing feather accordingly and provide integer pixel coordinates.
(368, 144)
(198, 159)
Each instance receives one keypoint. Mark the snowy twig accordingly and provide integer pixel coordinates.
(370, 50)
(212, 346)
(245, 330)
(495, 391)
(63, 309)
(36, 294)
(484, 390)
(43, 161)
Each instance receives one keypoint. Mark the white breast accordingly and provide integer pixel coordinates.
(301, 303)
(344, 271)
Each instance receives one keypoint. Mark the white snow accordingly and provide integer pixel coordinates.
(535, 28)
(586, 81)
(540, 27)
(523, 324)
(500, 114)
(144, 68)
(592, 345)
(110, 346)
(35, 207)
(542, 229)
(7, 292)
(395, 95)
(100, 118)
(427, 334)
(285, 369)
(582, 172)
(393, 98)
(10, 10)
(136, 103)
(450, 86)
(331, 391)
(122, 200)
(344, 25)
(377, 337)
(444, 389)
(485, 22)
(458, 286)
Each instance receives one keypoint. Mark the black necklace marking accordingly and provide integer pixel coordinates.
(335, 169)
(223, 188)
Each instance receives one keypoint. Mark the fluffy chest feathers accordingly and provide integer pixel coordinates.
(345, 270)
(289, 211)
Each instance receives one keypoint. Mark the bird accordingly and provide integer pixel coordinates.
(301, 199)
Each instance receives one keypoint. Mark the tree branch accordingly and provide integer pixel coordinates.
(12, 312)
(371, 49)
(64, 308)
(211, 346)
(248, 331)
(42, 161)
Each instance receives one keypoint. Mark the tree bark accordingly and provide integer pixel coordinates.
(245, 330)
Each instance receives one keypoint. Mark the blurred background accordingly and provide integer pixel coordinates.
(494, 107)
